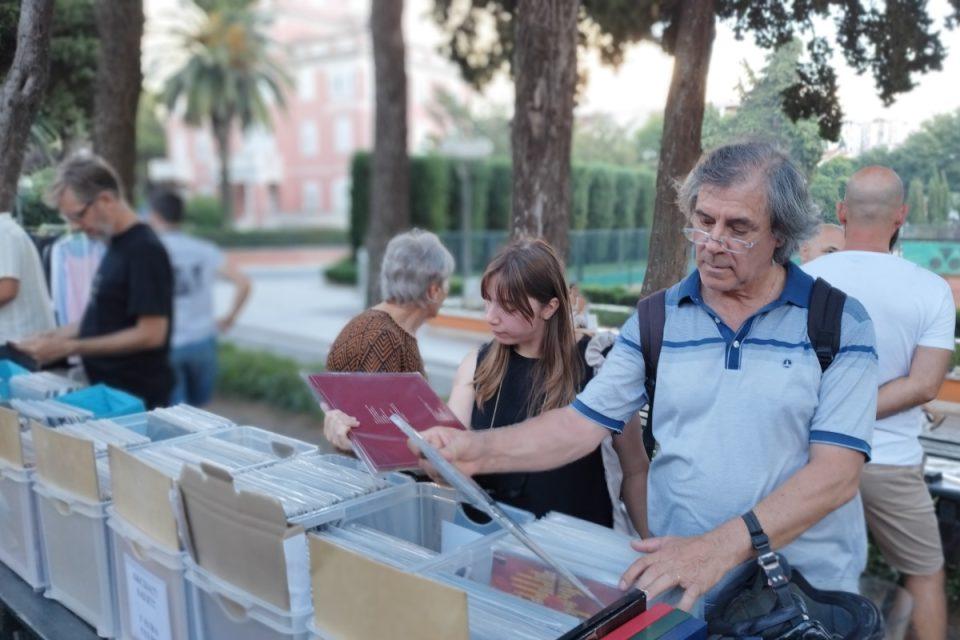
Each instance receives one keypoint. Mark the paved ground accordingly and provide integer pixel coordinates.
(294, 312)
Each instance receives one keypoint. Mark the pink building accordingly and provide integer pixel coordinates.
(298, 172)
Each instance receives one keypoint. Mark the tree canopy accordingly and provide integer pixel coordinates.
(893, 41)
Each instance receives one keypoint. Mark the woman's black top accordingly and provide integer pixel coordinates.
(578, 489)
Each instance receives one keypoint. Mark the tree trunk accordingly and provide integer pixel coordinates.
(390, 187)
(680, 144)
(22, 91)
(545, 68)
(221, 137)
(120, 27)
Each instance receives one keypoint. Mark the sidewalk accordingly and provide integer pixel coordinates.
(294, 312)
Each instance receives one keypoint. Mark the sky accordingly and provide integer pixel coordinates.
(638, 88)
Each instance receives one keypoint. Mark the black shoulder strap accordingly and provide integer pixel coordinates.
(824, 318)
(651, 314)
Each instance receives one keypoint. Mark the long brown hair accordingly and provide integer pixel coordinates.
(530, 269)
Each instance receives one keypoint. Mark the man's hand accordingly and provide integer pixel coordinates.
(460, 447)
(694, 564)
(48, 349)
(224, 324)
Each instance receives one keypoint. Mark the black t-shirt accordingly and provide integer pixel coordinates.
(134, 279)
(578, 489)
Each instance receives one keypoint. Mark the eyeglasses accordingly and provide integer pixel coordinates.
(728, 244)
(78, 216)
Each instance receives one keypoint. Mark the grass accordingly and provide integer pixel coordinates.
(265, 377)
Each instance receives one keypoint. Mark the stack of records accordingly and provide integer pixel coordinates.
(231, 449)
(42, 385)
(103, 433)
(50, 412)
(190, 418)
(308, 483)
(379, 546)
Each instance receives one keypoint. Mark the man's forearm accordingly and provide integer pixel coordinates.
(547, 441)
(898, 395)
(633, 492)
(118, 343)
(811, 494)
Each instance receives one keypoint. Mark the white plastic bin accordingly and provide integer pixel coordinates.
(223, 612)
(427, 515)
(21, 544)
(151, 588)
(76, 543)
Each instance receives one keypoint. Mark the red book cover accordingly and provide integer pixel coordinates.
(372, 398)
(535, 581)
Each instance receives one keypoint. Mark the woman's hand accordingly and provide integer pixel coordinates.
(336, 428)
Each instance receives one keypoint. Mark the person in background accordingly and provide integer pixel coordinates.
(913, 314)
(535, 363)
(25, 307)
(828, 239)
(414, 281)
(196, 266)
(123, 338)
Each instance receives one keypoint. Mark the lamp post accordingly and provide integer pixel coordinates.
(464, 150)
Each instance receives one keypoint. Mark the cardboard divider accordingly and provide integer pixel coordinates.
(142, 497)
(356, 598)
(239, 537)
(66, 462)
(11, 449)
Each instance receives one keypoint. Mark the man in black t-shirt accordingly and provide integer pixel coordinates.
(123, 338)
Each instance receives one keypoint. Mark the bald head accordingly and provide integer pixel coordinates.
(874, 195)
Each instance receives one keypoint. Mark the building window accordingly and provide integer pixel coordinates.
(340, 189)
(311, 197)
(341, 85)
(343, 134)
(306, 83)
(309, 139)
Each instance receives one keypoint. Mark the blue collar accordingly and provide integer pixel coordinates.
(796, 289)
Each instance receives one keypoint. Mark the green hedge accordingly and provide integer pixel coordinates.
(610, 295)
(603, 196)
(342, 272)
(274, 237)
(265, 377)
(203, 212)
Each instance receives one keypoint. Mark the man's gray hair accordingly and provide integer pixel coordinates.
(87, 175)
(412, 262)
(793, 215)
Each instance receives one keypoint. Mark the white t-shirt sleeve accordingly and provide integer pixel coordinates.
(9, 256)
(215, 258)
(939, 330)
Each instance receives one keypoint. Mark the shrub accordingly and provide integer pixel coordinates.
(265, 377)
(342, 272)
(203, 212)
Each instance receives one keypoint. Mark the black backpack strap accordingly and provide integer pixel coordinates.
(824, 318)
(651, 314)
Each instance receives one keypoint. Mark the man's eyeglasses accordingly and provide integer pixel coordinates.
(78, 216)
(728, 244)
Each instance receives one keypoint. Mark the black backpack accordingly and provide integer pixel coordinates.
(823, 329)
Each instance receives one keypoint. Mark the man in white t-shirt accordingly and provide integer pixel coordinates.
(913, 315)
(25, 307)
(196, 266)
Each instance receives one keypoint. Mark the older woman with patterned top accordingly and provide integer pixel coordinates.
(414, 281)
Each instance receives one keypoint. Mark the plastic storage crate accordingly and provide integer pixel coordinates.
(21, 545)
(8, 369)
(76, 544)
(429, 516)
(104, 402)
(223, 610)
(152, 594)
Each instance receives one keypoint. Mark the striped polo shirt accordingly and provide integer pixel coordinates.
(737, 411)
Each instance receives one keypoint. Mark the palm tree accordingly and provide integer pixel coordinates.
(228, 79)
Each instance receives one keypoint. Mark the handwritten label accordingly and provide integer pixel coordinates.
(147, 598)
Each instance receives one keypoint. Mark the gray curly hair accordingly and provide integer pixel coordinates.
(794, 217)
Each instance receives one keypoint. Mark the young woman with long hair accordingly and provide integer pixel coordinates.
(536, 363)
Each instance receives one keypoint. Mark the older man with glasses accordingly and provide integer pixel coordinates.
(123, 338)
(752, 432)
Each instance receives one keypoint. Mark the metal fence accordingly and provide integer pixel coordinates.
(596, 256)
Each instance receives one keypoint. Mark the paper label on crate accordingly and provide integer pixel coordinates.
(147, 597)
